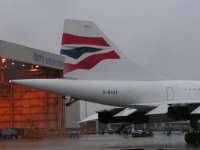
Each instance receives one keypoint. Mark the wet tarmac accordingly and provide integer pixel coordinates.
(101, 142)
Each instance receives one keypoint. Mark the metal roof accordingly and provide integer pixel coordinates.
(30, 55)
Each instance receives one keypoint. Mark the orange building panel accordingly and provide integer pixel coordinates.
(21, 107)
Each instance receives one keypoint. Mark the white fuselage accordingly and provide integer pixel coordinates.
(122, 93)
(128, 93)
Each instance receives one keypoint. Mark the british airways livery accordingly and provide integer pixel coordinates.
(96, 71)
(93, 44)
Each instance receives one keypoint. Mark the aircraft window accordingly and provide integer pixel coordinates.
(190, 89)
(185, 89)
(194, 89)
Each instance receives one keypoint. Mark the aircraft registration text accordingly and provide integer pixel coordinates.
(110, 91)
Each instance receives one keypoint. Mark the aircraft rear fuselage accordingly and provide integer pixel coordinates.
(121, 93)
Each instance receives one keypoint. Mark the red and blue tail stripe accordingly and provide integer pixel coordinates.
(79, 51)
(81, 40)
(90, 62)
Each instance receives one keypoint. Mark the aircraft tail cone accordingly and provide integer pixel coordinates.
(48, 85)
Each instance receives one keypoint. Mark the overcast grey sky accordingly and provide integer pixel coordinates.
(161, 35)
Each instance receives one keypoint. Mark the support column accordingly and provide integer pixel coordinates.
(12, 102)
(132, 128)
(86, 109)
(145, 125)
(2, 76)
(97, 126)
(46, 113)
(155, 125)
(109, 126)
(12, 105)
(58, 114)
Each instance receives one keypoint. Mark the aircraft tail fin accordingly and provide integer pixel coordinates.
(89, 54)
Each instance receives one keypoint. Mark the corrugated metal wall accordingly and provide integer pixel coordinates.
(22, 106)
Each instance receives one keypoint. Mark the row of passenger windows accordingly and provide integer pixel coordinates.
(192, 89)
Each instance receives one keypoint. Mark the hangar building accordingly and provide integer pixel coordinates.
(20, 106)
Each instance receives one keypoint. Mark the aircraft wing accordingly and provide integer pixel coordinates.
(162, 108)
(125, 112)
(156, 104)
(162, 111)
(92, 117)
(196, 111)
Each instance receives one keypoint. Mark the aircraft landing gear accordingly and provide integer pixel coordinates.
(69, 100)
(194, 136)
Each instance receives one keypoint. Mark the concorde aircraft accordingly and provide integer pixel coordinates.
(96, 71)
